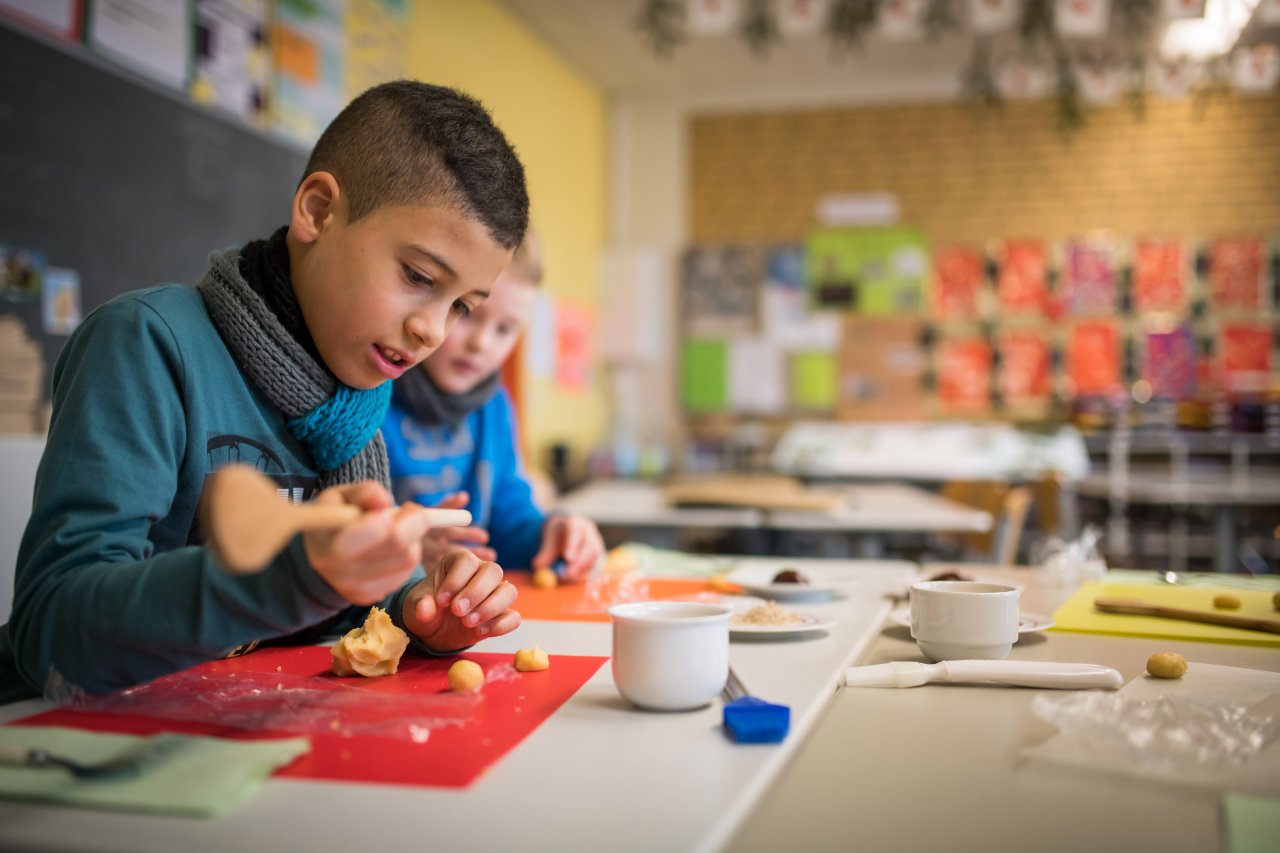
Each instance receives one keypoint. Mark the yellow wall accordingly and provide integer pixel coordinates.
(557, 121)
(965, 175)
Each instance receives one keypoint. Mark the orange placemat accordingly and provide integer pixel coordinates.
(589, 600)
(451, 754)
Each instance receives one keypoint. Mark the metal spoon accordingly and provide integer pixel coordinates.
(125, 764)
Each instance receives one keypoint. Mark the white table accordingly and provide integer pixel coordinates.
(598, 775)
(939, 767)
(871, 510)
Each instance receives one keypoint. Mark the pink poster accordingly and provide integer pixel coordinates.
(1022, 284)
(964, 375)
(957, 280)
(1159, 275)
(1170, 363)
(1235, 270)
(1093, 358)
(1246, 356)
(1088, 279)
(575, 335)
(1024, 367)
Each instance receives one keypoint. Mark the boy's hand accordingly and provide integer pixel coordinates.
(373, 556)
(573, 537)
(440, 540)
(461, 601)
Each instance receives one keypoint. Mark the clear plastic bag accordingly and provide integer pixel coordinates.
(288, 703)
(1166, 732)
(1071, 562)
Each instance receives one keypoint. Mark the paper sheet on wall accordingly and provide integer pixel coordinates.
(539, 344)
(813, 380)
(704, 375)
(309, 50)
(60, 17)
(231, 67)
(575, 336)
(757, 376)
(1235, 273)
(152, 37)
(377, 43)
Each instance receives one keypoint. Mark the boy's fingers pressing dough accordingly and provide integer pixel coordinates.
(481, 585)
(499, 600)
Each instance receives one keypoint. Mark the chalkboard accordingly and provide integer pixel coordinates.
(127, 184)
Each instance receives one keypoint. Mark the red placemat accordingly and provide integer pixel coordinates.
(453, 755)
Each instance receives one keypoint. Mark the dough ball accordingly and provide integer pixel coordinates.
(532, 660)
(545, 579)
(465, 676)
(620, 559)
(1167, 665)
(371, 650)
(720, 583)
(1226, 602)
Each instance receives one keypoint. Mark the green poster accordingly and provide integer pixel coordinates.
(704, 382)
(867, 270)
(813, 380)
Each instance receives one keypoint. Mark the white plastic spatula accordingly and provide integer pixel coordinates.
(1015, 673)
(247, 523)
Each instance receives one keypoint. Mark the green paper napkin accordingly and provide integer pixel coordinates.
(1252, 823)
(189, 775)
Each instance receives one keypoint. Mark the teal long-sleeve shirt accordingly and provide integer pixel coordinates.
(113, 586)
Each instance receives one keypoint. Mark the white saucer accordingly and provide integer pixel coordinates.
(1028, 623)
(810, 625)
(758, 580)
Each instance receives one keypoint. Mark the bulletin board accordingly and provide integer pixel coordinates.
(128, 184)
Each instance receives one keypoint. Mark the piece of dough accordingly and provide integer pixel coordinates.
(532, 660)
(545, 579)
(1226, 602)
(465, 676)
(1167, 665)
(372, 649)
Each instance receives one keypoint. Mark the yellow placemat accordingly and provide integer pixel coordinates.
(1079, 615)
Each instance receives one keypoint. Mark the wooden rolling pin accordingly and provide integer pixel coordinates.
(1146, 608)
(247, 523)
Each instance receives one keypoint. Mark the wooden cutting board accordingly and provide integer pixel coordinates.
(757, 492)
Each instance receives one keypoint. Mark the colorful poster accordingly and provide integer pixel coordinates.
(1088, 282)
(1246, 356)
(957, 283)
(1024, 367)
(377, 43)
(1169, 363)
(231, 68)
(309, 51)
(21, 273)
(1022, 284)
(720, 290)
(785, 318)
(867, 270)
(1093, 358)
(1159, 275)
(1235, 272)
(58, 17)
(964, 375)
(575, 331)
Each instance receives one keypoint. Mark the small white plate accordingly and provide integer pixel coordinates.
(810, 625)
(1028, 623)
(758, 580)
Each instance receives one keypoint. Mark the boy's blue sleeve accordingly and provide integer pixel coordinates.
(94, 599)
(516, 522)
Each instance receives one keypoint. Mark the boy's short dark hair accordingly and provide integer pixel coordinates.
(412, 143)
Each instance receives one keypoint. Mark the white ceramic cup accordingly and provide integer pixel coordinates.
(670, 655)
(964, 620)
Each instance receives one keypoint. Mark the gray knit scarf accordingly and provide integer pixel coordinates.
(280, 367)
(419, 396)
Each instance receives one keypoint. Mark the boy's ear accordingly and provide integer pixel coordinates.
(315, 206)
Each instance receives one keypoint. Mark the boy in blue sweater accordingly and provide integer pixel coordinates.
(282, 358)
(451, 441)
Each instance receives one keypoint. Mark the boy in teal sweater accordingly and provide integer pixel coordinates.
(282, 358)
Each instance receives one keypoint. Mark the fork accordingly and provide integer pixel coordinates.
(125, 764)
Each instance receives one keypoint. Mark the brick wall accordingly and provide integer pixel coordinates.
(965, 174)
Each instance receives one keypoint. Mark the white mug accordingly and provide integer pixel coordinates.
(670, 655)
(964, 620)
